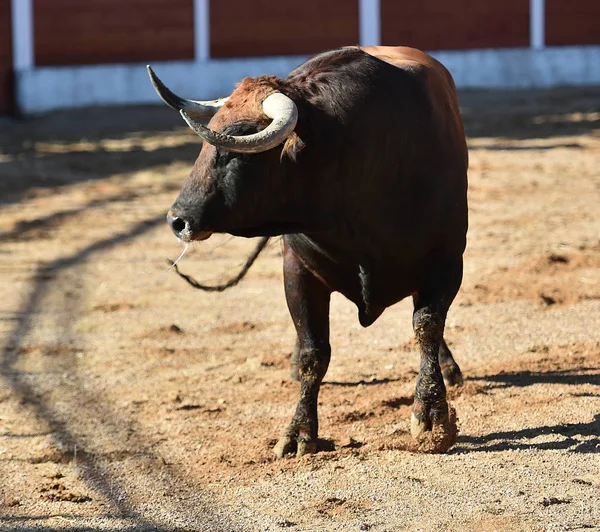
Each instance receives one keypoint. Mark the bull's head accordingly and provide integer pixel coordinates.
(236, 183)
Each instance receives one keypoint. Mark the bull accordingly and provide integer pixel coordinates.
(358, 158)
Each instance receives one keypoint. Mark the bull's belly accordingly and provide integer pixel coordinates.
(370, 287)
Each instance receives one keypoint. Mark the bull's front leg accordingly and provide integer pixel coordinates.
(433, 423)
(430, 407)
(308, 302)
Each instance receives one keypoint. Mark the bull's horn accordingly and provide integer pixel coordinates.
(195, 108)
(277, 106)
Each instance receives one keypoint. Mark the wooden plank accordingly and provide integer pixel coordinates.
(71, 32)
(244, 28)
(6, 63)
(573, 22)
(455, 24)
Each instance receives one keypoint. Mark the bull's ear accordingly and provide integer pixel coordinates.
(292, 146)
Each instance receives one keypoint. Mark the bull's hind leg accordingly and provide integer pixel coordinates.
(450, 370)
(308, 302)
(430, 408)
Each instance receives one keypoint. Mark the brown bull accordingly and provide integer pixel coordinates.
(358, 158)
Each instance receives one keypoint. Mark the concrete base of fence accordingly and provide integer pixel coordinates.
(47, 88)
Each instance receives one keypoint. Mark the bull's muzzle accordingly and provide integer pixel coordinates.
(179, 226)
(183, 230)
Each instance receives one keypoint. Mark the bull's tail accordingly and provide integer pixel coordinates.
(232, 282)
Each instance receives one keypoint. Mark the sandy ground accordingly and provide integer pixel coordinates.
(130, 401)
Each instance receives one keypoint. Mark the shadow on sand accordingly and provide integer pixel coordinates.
(576, 437)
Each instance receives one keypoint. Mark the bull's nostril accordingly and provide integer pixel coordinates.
(178, 225)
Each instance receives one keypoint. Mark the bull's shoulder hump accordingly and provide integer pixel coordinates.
(406, 58)
(400, 55)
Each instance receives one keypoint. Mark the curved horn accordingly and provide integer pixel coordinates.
(195, 108)
(277, 106)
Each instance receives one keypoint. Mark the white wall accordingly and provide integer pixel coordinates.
(524, 67)
(46, 88)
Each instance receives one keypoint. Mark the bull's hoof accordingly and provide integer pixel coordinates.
(425, 416)
(299, 445)
(435, 429)
(452, 375)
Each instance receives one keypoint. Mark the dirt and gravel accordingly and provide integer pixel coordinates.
(130, 401)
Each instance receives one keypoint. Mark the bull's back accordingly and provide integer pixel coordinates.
(400, 55)
(406, 57)
(439, 82)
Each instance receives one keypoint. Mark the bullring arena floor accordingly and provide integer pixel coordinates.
(129, 401)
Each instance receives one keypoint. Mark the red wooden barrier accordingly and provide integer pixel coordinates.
(246, 28)
(456, 24)
(572, 22)
(72, 32)
(6, 75)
